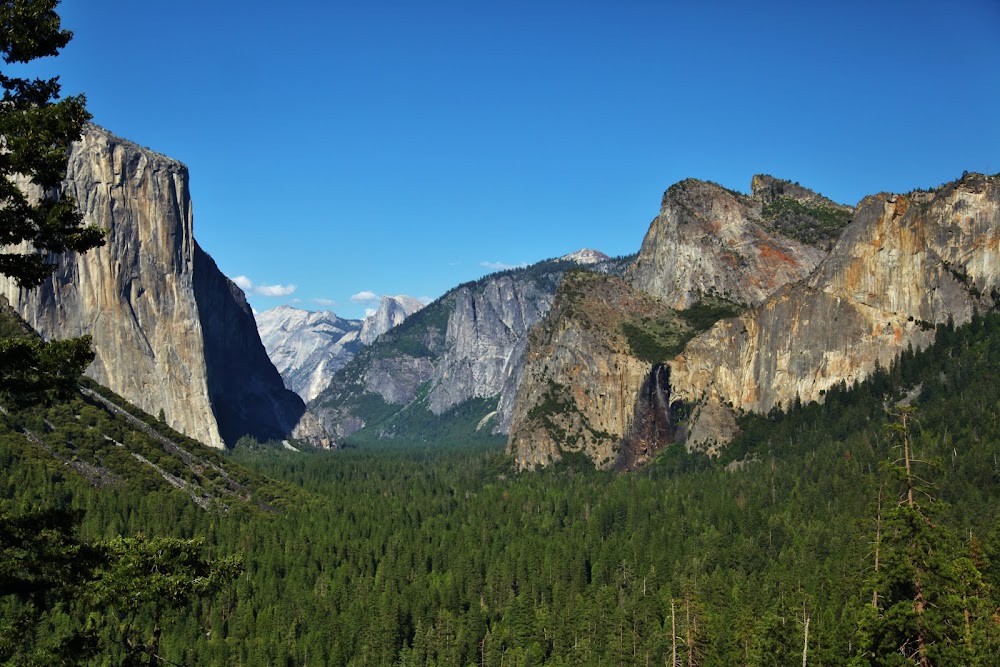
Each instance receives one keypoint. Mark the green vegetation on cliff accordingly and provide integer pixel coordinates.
(656, 340)
(815, 224)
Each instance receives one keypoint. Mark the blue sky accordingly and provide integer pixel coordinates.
(402, 147)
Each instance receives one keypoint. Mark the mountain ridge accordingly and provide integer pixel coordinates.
(902, 265)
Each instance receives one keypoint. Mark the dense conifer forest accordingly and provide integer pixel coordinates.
(416, 555)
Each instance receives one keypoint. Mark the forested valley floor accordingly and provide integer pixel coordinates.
(414, 555)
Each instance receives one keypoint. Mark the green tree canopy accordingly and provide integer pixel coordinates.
(35, 134)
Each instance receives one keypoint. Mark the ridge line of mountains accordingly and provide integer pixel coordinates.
(734, 303)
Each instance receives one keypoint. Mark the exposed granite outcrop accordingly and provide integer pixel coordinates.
(710, 240)
(391, 312)
(469, 344)
(905, 264)
(308, 347)
(582, 374)
(484, 344)
(144, 297)
(709, 253)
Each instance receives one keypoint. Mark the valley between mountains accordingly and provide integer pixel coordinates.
(768, 437)
(746, 301)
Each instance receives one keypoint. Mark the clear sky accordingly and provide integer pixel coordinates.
(403, 147)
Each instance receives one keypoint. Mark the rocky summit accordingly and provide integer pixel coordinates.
(171, 333)
(710, 240)
(906, 264)
(308, 347)
(391, 311)
(801, 320)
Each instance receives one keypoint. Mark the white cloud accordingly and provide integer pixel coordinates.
(249, 287)
(364, 297)
(424, 300)
(501, 266)
(369, 312)
(326, 303)
(274, 290)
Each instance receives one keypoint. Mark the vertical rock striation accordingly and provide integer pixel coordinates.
(596, 379)
(155, 304)
(905, 264)
(582, 373)
(469, 344)
(484, 343)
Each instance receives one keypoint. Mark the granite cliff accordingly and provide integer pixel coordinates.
(905, 264)
(465, 349)
(710, 240)
(583, 366)
(391, 311)
(804, 320)
(596, 380)
(171, 333)
(308, 347)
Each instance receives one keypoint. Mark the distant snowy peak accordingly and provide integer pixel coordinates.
(392, 310)
(307, 347)
(586, 256)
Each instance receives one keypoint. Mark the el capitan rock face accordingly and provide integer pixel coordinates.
(166, 323)
(906, 264)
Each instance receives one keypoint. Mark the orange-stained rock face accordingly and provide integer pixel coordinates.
(582, 380)
(905, 264)
(580, 377)
(710, 240)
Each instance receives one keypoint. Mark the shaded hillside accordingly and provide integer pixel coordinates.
(108, 442)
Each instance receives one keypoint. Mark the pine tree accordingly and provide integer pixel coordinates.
(35, 134)
(928, 595)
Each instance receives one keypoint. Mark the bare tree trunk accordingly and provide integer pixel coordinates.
(687, 631)
(673, 635)
(878, 542)
(805, 643)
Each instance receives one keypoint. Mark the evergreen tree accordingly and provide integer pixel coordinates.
(149, 578)
(36, 131)
(43, 568)
(929, 602)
